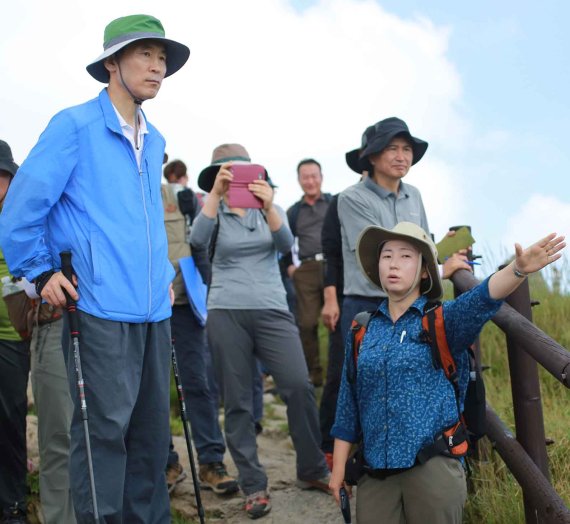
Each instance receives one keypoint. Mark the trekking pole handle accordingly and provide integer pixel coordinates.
(67, 270)
(66, 267)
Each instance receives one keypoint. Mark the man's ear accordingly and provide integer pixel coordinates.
(110, 64)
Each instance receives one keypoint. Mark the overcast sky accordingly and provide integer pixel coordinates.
(486, 84)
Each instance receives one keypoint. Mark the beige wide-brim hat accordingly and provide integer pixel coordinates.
(371, 239)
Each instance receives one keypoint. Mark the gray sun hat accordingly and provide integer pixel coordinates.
(124, 31)
(371, 239)
(6, 159)
(377, 137)
(221, 155)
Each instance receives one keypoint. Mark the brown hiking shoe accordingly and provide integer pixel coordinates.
(174, 475)
(214, 476)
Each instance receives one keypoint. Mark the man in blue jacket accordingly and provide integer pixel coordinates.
(91, 185)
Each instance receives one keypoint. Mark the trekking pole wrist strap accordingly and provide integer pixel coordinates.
(41, 280)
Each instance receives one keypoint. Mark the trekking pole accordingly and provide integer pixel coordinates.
(67, 270)
(186, 425)
(345, 505)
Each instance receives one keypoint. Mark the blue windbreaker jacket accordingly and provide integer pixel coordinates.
(80, 189)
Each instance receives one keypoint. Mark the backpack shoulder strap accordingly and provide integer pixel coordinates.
(357, 332)
(292, 214)
(433, 324)
(214, 239)
(187, 203)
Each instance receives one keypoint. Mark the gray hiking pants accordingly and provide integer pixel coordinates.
(126, 368)
(235, 338)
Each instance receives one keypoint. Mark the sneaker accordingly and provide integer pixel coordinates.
(320, 484)
(175, 474)
(214, 476)
(258, 429)
(15, 514)
(257, 504)
(329, 460)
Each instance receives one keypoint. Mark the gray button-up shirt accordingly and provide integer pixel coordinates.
(365, 204)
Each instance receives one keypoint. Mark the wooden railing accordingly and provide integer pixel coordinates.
(525, 455)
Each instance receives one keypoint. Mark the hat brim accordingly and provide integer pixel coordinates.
(207, 177)
(353, 160)
(9, 167)
(176, 56)
(419, 147)
(367, 245)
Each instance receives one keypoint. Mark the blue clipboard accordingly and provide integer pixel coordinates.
(196, 290)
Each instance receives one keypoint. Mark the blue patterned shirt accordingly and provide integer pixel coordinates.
(399, 401)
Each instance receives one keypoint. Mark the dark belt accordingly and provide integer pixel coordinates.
(381, 474)
(319, 257)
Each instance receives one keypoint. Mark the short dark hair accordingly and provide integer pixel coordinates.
(176, 168)
(306, 161)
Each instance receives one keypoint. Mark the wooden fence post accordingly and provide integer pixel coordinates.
(527, 406)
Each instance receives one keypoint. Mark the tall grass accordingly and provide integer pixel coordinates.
(496, 497)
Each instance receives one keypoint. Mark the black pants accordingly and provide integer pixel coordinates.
(14, 370)
(327, 409)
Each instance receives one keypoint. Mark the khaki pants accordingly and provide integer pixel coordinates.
(308, 281)
(55, 407)
(433, 493)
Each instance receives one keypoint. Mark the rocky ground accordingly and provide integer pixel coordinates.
(290, 504)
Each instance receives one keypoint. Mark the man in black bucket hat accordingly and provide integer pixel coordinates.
(377, 137)
(91, 186)
(387, 152)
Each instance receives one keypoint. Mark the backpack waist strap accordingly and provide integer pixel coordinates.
(451, 442)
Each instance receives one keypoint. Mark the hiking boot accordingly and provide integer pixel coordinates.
(257, 504)
(320, 484)
(15, 514)
(175, 474)
(214, 476)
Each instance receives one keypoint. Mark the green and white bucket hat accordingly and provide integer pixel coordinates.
(128, 29)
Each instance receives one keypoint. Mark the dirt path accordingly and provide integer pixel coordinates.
(290, 504)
